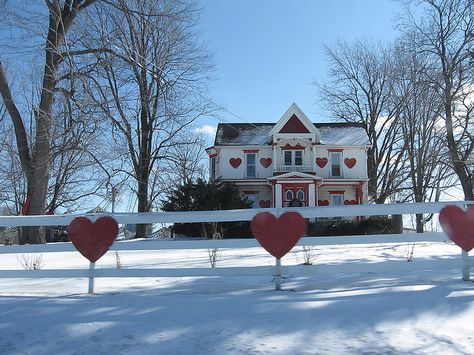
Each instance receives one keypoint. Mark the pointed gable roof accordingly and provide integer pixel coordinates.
(294, 121)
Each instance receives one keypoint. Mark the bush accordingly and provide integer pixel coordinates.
(207, 196)
(370, 225)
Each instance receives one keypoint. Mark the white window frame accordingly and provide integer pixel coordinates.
(293, 157)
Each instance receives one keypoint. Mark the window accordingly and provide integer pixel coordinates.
(298, 157)
(251, 169)
(288, 197)
(336, 200)
(300, 195)
(288, 158)
(213, 168)
(293, 157)
(252, 197)
(336, 164)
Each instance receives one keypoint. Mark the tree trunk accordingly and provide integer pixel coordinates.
(142, 197)
(372, 171)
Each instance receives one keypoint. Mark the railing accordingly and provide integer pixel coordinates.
(216, 216)
(298, 168)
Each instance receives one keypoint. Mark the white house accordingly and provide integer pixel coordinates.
(293, 161)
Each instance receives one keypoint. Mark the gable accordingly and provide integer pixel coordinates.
(294, 125)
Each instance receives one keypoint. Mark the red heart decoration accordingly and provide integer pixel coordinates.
(278, 235)
(350, 162)
(266, 162)
(321, 162)
(93, 240)
(235, 162)
(458, 225)
(350, 202)
(264, 203)
(323, 203)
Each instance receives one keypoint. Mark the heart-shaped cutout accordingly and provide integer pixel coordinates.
(350, 162)
(93, 240)
(278, 235)
(264, 203)
(235, 162)
(266, 162)
(321, 162)
(458, 225)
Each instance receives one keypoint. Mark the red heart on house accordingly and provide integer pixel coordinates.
(278, 235)
(321, 162)
(93, 240)
(323, 203)
(235, 162)
(350, 162)
(266, 162)
(458, 225)
(350, 202)
(264, 203)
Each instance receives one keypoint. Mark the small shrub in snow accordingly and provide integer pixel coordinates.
(307, 255)
(31, 261)
(118, 262)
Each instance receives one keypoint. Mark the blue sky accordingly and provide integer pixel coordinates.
(268, 53)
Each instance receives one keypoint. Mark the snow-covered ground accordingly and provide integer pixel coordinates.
(359, 299)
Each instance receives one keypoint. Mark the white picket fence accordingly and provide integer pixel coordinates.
(218, 216)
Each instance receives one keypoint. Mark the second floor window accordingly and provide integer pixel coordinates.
(293, 157)
(251, 168)
(336, 164)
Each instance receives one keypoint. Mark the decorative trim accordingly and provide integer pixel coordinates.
(288, 146)
(213, 155)
(250, 192)
(335, 150)
(337, 192)
(250, 151)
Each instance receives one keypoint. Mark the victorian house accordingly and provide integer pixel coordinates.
(293, 162)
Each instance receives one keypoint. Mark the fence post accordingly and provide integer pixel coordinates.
(91, 278)
(277, 274)
(466, 272)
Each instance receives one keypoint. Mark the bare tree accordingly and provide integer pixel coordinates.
(359, 91)
(35, 152)
(414, 93)
(445, 38)
(151, 83)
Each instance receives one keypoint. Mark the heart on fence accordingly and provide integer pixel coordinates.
(235, 162)
(278, 235)
(458, 225)
(93, 240)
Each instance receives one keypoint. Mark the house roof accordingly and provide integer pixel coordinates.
(241, 134)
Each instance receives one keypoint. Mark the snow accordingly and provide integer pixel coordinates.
(357, 299)
(352, 136)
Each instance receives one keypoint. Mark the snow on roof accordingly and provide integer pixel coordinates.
(257, 134)
(345, 134)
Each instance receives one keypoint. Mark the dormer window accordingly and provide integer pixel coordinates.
(250, 162)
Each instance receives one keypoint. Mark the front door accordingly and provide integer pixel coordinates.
(295, 196)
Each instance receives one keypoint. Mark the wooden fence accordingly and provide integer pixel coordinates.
(218, 216)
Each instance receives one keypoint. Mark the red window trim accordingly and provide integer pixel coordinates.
(298, 146)
(336, 192)
(213, 155)
(335, 150)
(246, 151)
(250, 192)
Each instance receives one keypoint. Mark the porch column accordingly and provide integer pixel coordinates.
(311, 195)
(275, 149)
(278, 201)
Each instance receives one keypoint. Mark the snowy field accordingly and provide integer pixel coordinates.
(358, 299)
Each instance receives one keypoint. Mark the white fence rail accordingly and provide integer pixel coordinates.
(217, 216)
